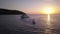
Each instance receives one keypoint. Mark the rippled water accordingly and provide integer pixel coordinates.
(44, 24)
(50, 23)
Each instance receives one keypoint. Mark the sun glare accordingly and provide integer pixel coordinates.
(48, 10)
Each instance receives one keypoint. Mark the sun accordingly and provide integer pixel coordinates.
(48, 10)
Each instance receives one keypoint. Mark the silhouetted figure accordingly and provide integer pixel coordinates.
(34, 22)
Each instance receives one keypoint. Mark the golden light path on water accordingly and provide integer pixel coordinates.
(47, 30)
(48, 20)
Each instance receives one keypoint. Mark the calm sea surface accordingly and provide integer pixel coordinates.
(47, 24)
(44, 24)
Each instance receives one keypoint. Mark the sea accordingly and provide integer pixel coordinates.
(47, 23)
(43, 24)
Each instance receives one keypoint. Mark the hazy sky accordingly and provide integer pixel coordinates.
(29, 6)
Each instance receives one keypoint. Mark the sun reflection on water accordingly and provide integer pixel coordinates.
(47, 30)
(48, 19)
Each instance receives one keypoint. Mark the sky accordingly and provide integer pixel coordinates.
(30, 6)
